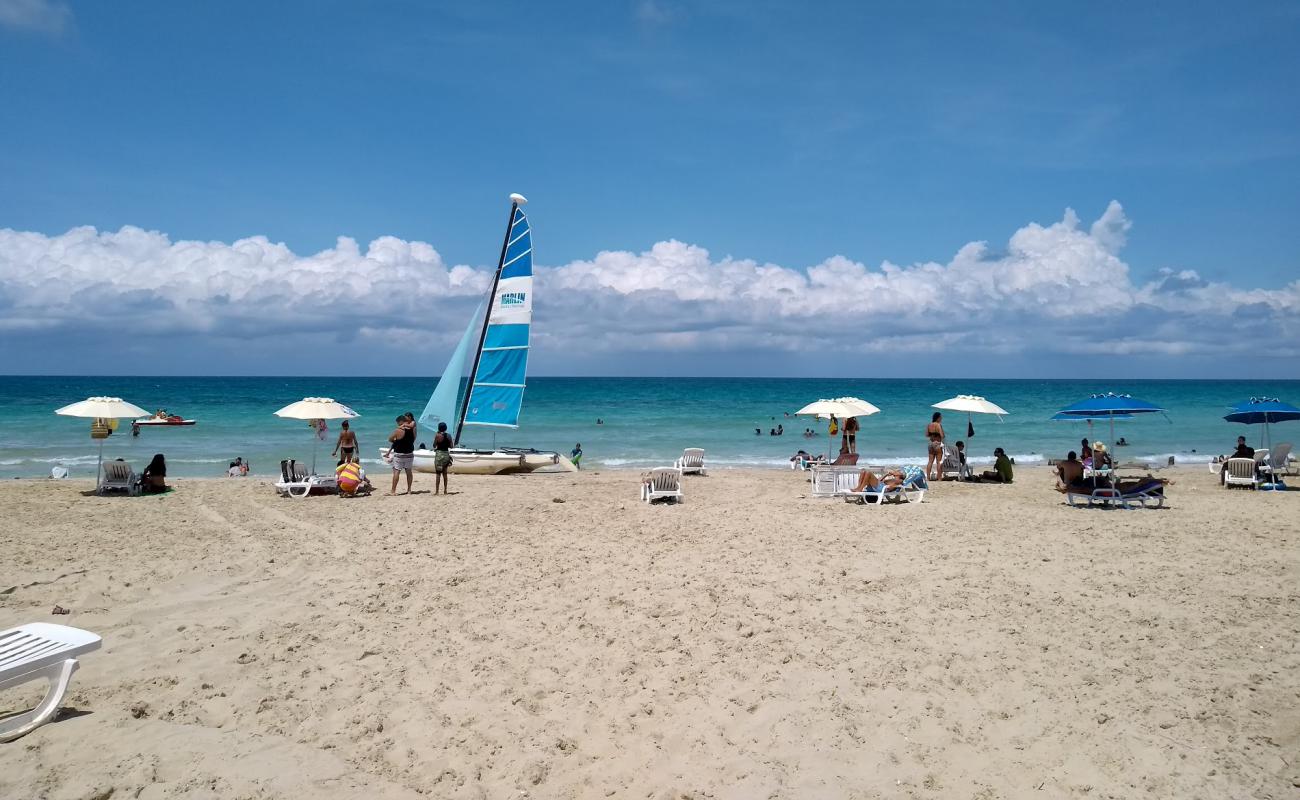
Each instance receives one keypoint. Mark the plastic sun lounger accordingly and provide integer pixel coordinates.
(1241, 472)
(913, 491)
(691, 462)
(1150, 495)
(825, 479)
(295, 482)
(40, 650)
(663, 483)
(119, 477)
(952, 466)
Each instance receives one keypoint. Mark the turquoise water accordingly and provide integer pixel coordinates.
(647, 421)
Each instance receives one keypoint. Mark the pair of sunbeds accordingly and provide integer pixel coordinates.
(1264, 468)
(297, 481)
(1148, 492)
(665, 483)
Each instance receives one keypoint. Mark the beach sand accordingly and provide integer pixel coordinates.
(552, 636)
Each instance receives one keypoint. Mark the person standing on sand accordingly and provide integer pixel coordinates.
(347, 443)
(441, 457)
(851, 433)
(401, 452)
(934, 459)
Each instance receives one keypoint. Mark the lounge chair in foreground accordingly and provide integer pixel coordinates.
(119, 477)
(295, 482)
(1240, 472)
(40, 650)
(663, 483)
(825, 478)
(912, 490)
(692, 461)
(1149, 493)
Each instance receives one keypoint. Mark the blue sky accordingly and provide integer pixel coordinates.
(778, 133)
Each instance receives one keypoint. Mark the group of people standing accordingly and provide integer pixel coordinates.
(401, 453)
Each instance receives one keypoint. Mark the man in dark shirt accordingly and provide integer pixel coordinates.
(1243, 451)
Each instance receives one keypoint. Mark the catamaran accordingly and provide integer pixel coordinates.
(494, 394)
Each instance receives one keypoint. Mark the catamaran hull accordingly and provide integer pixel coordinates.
(491, 462)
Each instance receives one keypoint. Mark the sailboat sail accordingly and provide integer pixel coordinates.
(498, 384)
(444, 405)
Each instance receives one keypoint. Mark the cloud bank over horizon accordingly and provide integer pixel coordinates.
(1055, 297)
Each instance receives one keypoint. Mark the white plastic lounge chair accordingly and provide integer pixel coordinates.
(663, 483)
(119, 477)
(691, 462)
(825, 479)
(295, 482)
(1276, 462)
(39, 650)
(912, 491)
(952, 466)
(1240, 472)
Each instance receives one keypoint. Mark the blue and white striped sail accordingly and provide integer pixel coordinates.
(499, 382)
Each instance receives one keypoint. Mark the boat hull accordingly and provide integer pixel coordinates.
(163, 423)
(502, 461)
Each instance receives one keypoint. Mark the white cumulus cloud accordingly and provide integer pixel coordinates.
(1054, 291)
(40, 16)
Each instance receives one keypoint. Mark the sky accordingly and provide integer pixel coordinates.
(878, 189)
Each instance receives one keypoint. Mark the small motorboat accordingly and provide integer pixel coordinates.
(163, 418)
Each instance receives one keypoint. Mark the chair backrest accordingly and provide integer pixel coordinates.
(846, 482)
(665, 479)
(1277, 458)
(1261, 456)
(299, 472)
(285, 472)
(693, 457)
(1241, 468)
(117, 471)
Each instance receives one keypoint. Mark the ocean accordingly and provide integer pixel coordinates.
(646, 421)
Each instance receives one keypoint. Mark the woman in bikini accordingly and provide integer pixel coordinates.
(934, 459)
(346, 447)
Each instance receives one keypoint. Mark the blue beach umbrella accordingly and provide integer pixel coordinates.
(1109, 406)
(1265, 411)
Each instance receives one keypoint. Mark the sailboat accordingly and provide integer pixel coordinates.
(494, 393)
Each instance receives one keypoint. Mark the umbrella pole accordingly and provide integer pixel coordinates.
(99, 467)
(314, 447)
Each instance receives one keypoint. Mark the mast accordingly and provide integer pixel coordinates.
(515, 200)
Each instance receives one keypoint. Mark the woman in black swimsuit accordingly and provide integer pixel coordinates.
(154, 478)
(401, 453)
(441, 457)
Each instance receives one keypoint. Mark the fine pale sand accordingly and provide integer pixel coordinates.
(551, 636)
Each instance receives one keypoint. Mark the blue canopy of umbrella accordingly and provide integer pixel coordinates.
(1266, 411)
(1109, 406)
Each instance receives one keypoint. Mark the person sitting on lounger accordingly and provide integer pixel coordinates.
(868, 482)
(1243, 451)
(154, 478)
(1070, 472)
(1002, 471)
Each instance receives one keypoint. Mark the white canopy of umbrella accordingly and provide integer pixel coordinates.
(101, 408)
(316, 408)
(971, 404)
(841, 407)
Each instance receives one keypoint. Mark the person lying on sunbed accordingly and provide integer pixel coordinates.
(868, 482)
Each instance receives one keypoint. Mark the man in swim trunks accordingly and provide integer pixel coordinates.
(347, 443)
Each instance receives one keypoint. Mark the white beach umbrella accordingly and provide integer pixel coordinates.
(316, 408)
(971, 404)
(841, 407)
(101, 408)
